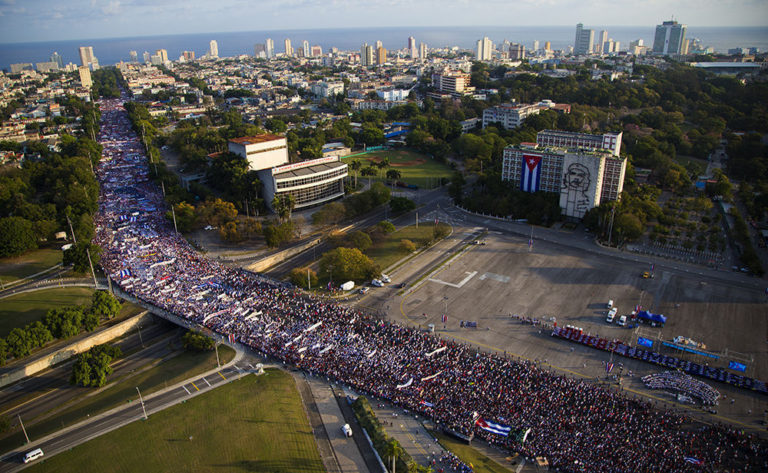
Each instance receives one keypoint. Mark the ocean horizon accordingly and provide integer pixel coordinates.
(113, 50)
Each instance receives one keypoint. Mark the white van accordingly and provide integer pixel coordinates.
(346, 430)
(33, 455)
(609, 305)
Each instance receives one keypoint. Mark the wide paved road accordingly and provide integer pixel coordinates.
(116, 418)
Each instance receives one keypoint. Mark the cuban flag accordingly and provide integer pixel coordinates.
(444, 318)
(125, 273)
(694, 461)
(427, 404)
(492, 427)
(231, 338)
(531, 175)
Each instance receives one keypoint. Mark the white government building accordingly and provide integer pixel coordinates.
(311, 182)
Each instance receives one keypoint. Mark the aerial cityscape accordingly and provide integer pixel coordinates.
(343, 240)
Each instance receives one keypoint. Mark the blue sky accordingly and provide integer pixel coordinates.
(48, 20)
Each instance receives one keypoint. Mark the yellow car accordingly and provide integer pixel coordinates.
(647, 275)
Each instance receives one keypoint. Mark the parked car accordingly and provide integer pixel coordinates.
(385, 278)
(346, 430)
(377, 283)
(622, 321)
(400, 285)
(364, 289)
(611, 315)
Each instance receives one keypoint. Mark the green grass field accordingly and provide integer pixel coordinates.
(469, 455)
(255, 424)
(415, 168)
(388, 252)
(174, 370)
(28, 264)
(21, 309)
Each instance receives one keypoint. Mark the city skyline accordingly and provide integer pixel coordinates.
(47, 20)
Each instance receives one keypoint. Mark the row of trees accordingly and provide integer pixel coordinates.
(59, 323)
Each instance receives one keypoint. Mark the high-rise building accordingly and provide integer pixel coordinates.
(259, 50)
(600, 41)
(423, 51)
(22, 66)
(516, 52)
(270, 46)
(213, 48)
(412, 51)
(451, 81)
(134, 56)
(188, 55)
(87, 58)
(288, 48)
(366, 55)
(669, 38)
(163, 55)
(381, 55)
(535, 45)
(317, 51)
(583, 42)
(484, 49)
(305, 47)
(146, 56)
(85, 76)
(379, 44)
(547, 46)
(55, 57)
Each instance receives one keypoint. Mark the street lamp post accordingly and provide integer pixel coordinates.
(141, 399)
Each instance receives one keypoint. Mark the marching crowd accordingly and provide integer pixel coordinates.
(683, 383)
(576, 425)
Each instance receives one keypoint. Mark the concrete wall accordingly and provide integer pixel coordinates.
(68, 351)
(272, 260)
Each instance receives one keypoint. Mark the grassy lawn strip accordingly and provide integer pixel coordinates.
(28, 264)
(21, 309)
(469, 455)
(388, 252)
(254, 424)
(167, 373)
(415, 168)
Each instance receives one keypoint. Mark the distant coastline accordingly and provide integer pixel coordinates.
(112, 50)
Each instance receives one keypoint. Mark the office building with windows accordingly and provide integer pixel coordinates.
(311, 182)
(669, 38)
(582, 45)
(568, 139)
(484, 50)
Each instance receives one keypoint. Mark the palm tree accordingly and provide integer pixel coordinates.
(383, 164)
(393, 174)
(355, 166)
(393, 450)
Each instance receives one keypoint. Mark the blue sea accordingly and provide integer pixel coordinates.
(112, 50)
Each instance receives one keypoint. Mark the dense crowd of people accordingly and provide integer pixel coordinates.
(684, 384)
(576, 425)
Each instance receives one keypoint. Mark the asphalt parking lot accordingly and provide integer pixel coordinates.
(490, 284)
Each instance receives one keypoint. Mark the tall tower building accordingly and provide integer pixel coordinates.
(55, 57)
(85, 76)
(601, 41)
(305, 47)
(669, 38)
(270, 46)
(535, 45)
(423, 51)
(379, 44)
(582, 45)
(484, 49)
(87, 58)
(213, 48)
(163, 54)
(381, 55)
(547, 46)
(366, 55)
(414, 53)
(516, 52)
(134, 56)
(288, 48)
(146, 56)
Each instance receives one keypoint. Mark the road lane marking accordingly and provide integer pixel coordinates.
(193, 384)
(460, 284)
(206, 382)
(187, 390)
(222, 375)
